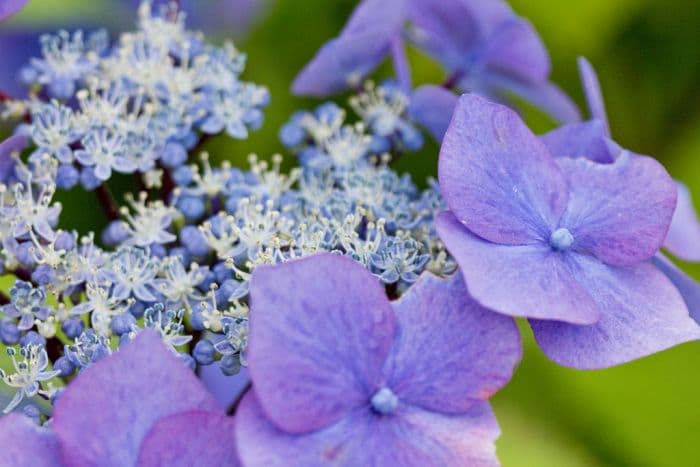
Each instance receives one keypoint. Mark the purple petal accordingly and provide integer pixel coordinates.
(106, 411)
(497, 177)
(432, 107)
(412, 438)
(452, 31)
(641, 313)
(451, 352)
(376, 15)
(585, 139)
(320, 330)
(10, 7)
(517, 50)
(204, 439)
(594, 95)
(226, 389)
(13, 144)
(362, 45)
(620, 212)
(340, 64)
(544, 95)
(530, 280)
(687, 286)
(683, 239)
(24, 444)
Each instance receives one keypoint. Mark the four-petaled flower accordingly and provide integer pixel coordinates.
(342, 376)
(564, 241)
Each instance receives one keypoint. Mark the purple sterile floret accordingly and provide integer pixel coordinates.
(560, 239)
(361, 46)
(139, 406)
(341, 375)
(432, 107)
(592, 140)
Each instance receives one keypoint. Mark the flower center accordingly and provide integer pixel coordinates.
(384, 401)
(561, 239)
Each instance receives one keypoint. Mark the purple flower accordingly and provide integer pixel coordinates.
(361, 46)
(342, 376)
(11, 146)
(592, 140)
(485, 46)
(140, 406)
(10, 7)
(563, 241)
(490, 51)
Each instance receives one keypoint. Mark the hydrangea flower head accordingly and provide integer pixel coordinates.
(140, 406)
(565, 242)
(343, 376)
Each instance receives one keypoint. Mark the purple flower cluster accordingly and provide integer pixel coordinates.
(334, 314)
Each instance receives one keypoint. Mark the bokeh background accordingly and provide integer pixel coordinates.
(647, 53)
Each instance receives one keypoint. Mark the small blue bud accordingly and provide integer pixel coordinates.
(72, 327)
(187, 360)
(9, 333)
(32, 338)
(230, 365)
(204, 352)
(123, 323)
(64, 365)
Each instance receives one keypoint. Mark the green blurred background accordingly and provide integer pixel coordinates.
(647, 53)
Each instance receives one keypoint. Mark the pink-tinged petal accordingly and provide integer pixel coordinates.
(320, 330)
(432, 107)
(24, 444)
(185, 439)
(686, 285)
(450, 352)
(593, 92)
(531, 281)
(226, 389)
(544, 95)
(641, 313)
(10, 7)
(411, 437)
(497, 177)
(516, 49)
(585, 140)
(683, 238)
(341, 63)
(103, 415)
(619, 212)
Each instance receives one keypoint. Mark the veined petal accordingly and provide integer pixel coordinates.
(320, 330)
(24, 444)
(641, 313)
(585, 140)
(530, 280)
(103, 415)
(593, 92)
(204, 439)
(683, 238)
(516, 49)
(686, 285)
(497, 177)
(450, 353)
(411, 437)
(619, 212)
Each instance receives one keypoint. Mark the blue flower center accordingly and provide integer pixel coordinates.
(561, 239)
(384, 401)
